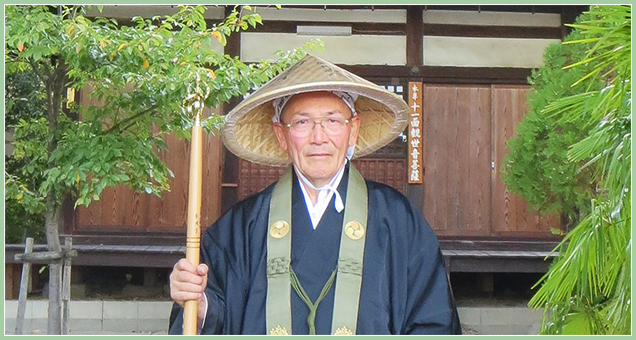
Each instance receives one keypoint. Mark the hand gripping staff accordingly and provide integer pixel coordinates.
(193, 105)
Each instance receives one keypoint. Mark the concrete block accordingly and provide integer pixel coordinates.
(503, 329)
(84, 326)
(469, 315)
(119, 326)
(153, 325)
(86, 310)
(120, 310)
(508, 316)
(154, 309)
(38, 326)
(9, 326)
(28, 328)
(535, 328)
(10, 309)
(39, 309)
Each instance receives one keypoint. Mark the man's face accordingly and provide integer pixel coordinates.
(319, 155)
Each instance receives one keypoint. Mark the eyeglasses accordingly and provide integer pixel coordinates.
(331, 125)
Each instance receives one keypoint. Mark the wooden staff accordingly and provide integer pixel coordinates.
(193, 236)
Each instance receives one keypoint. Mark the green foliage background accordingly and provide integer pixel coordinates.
(537, 166)
(144, 75)
(23, 102)
(587, 289)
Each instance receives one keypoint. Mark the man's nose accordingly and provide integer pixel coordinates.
(318, 135)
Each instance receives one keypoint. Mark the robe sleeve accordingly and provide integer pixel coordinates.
(213, 323)
(430, 306)
(226, 249)
(214, 292)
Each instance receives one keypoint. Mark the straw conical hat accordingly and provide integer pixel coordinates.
(248, 131)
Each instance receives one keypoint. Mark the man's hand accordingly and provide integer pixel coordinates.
(188, 282)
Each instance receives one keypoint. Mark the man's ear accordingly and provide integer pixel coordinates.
(280, 136)
(355, 129)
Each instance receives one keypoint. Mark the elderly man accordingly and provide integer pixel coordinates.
(322, 251)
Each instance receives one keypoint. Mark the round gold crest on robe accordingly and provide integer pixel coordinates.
(279, 229)
(354, 230)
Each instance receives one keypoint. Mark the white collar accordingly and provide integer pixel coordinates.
(324, 195)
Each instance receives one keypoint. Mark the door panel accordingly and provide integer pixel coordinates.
(457, 159)
(511, 215)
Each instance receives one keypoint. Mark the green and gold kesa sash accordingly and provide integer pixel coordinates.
(349, 272)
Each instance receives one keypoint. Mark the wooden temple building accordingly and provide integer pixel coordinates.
(472, 64)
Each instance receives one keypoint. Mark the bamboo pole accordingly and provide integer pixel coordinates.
(193, 237)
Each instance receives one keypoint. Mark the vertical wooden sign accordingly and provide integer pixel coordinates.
(415, 133)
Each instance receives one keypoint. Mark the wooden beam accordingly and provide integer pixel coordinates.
(361, 28)
(491, 8)
(497, 8)
(497, 265)
(45, 256)
(446, 74)
(233, 45)
(414, 26)
(568, 16)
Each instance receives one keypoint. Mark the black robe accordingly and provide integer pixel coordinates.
(405, 288)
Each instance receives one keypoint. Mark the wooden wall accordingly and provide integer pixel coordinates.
(121, 209)
(456, 159)
(256, 177)
(466, 128)
(467, 117)
(510, 212)
(121, 212)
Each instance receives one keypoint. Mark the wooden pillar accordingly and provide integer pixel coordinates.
(414, 29)
(24, 287)
(229, 178)
(66, 286)
(415, 60)
(568, 16)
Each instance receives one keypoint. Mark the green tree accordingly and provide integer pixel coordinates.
(587, 290)
(22, 101)
(143, 74)
(537, 166)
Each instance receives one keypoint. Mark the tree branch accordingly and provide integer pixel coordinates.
(130, 120)
(43, 73)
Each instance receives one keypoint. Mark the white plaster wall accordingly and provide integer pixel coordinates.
(484, 52)
(352, 50)
(491, 18)
(314, 14)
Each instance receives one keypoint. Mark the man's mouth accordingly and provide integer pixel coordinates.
(319, 154)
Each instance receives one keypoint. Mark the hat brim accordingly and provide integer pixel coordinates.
(249, 134)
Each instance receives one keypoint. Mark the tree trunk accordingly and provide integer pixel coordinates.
(52, 223)
(53, 214)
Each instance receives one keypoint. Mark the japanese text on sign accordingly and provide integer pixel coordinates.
(415, 133)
